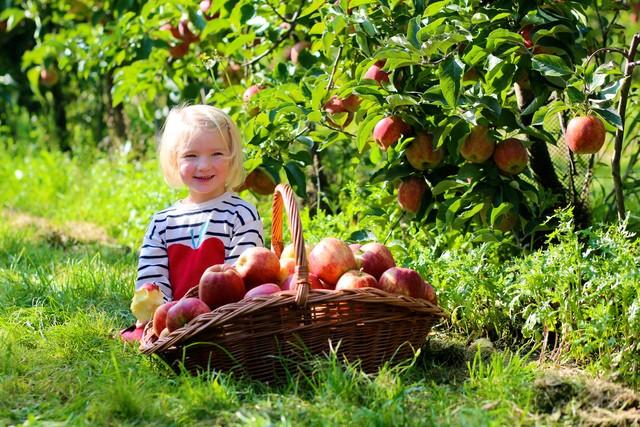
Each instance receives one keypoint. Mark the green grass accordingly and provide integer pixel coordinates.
(65, 295)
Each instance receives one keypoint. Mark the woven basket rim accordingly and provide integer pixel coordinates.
(228, 312)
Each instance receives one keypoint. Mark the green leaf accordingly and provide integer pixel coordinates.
(550, 65)
(296, 178)
(365, 131)
(435, 8)
(450, 79)
(497, 212)
(500, 36)
(475, 55)
(397, 100)
(445, 185)
(317, 4)
(412, 31)
(609, 115)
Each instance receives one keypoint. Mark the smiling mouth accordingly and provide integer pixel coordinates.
(204, 178)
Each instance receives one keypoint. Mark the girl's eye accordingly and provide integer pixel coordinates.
(218, 154)
(189, 156)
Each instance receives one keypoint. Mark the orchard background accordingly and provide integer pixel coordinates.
(539, 266)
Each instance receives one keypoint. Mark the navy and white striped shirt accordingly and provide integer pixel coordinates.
(184, 239)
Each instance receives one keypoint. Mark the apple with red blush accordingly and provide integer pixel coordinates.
(184, 311)
(291, 282)
(262, 290)
(403, 281)
(330, 259)
(160, 317)
(258, 265)
(356, 279)
(220, 284)
(373, 258)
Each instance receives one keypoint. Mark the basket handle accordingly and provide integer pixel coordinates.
(283, 196)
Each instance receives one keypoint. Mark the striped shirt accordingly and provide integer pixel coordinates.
(184, 239)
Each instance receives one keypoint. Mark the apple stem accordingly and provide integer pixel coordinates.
(619, 138)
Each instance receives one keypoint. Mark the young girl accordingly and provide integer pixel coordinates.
(201, 149)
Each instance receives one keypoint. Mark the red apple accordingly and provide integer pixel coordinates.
(526, 33)
(478, 146)
(404, 281)
(351, 103)
(179, 50)
(262, 290)
(160, 317)
(330, 259)
(261, 182)
(430, 293)
(585, 134)
(291, 283)
(421, 153)
(184, 311)
(511, 156)
(410, 194)
(334, 105)
(373, 258)
(376, 73)
(145, 301)
(220, 284)
(257, 266)
(389, 130)
(48, 76)
(297, 49)
(356, 279)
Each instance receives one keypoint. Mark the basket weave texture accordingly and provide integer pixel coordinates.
(266, 337)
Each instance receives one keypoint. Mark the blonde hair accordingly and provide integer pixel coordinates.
(185, 121)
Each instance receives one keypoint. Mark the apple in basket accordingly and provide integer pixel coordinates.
(330, 259)
(373, 258)
(262, 290)
(184, 311)
(160, 317)
(356, 279)
(220, 284)
(257, 266)
(404, 281)
(145, 301)
(287, 268)
(291, 282)
(430, 293)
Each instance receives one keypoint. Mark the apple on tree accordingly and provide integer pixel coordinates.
(410, 194)
(375, 72)
(257, 266)
(220, 284)
(585, 134)
(478, 146)
(421, 153)
(330, 259)
(48, 76)
(185, 310)
(511, 156)
(389, 130)
(260, 182)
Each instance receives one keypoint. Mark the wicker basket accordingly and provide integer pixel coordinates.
(267, 337)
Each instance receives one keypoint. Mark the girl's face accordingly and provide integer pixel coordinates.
(204, 163)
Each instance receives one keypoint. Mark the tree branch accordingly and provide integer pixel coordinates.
(334, 68)
(622, 110)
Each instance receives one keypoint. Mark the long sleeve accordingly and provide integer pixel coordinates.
(153, 263)
(245, 235)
